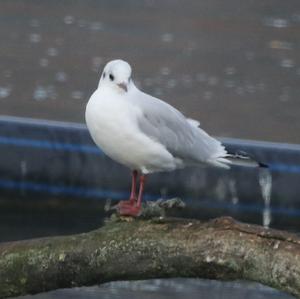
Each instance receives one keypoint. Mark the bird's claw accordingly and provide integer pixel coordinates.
(128, 208)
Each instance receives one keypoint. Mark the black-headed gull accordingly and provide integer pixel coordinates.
(146, 134)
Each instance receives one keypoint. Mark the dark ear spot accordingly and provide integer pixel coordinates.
(104, 75)
(111, 77)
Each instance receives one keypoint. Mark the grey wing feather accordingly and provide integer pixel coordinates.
(182, 137)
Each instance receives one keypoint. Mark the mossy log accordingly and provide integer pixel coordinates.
(140, 249)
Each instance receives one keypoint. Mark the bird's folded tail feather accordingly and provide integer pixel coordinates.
(238, 159)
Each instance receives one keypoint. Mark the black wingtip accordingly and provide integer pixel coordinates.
(263, 165)
(244, 155)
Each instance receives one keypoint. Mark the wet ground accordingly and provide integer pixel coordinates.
(233, 65)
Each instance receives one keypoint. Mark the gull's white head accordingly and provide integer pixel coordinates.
(116, 75)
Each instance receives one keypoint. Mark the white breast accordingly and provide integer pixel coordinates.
(113, 127)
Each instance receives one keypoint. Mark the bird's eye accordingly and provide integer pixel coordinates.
(111, 77)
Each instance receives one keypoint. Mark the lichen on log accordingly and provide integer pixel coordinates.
(157, 248)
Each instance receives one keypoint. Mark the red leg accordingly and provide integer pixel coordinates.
(133, 209)
(141, 191)
(132, 197)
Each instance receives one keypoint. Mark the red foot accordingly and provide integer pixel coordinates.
(129, 202)
(133, 206)
(128, 208)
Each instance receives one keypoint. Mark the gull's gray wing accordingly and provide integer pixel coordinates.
(181, 136)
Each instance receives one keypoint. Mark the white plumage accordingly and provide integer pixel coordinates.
(143, 132)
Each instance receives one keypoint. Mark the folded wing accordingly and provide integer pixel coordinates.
(181, 136)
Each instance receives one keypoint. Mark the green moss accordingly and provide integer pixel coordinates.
(146, 249)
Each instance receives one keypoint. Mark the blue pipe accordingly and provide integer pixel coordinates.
(92, 149)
